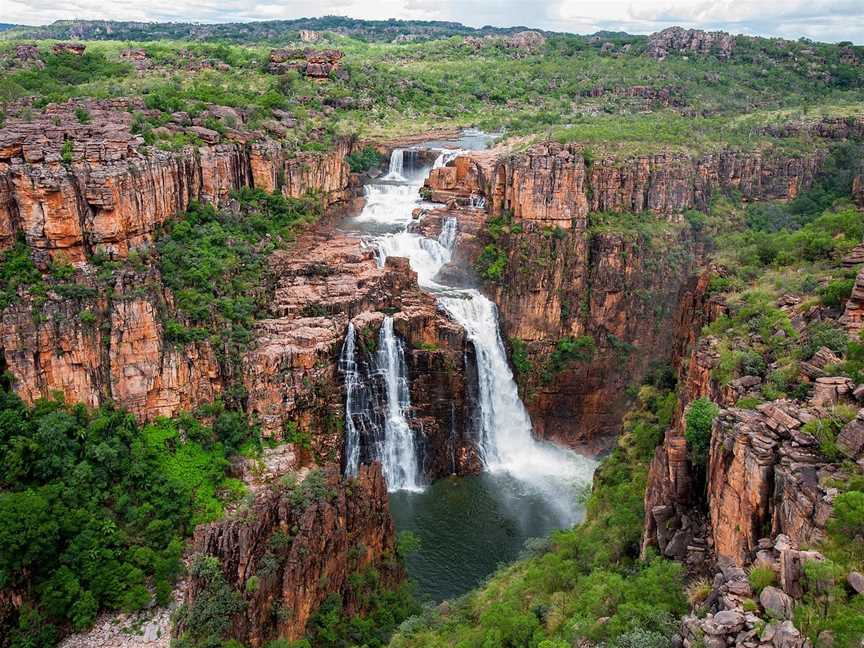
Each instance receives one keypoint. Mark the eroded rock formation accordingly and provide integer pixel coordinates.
(73, 188)
(696, 42)
(301, 542)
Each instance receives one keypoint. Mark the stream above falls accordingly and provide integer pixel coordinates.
(470, 525)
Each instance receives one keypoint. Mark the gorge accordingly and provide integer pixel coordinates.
(407, 335)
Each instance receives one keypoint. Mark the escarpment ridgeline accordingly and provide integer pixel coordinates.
(596, 254)
(75, 188)
(297, 545)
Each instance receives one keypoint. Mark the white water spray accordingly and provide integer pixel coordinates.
(506, 444)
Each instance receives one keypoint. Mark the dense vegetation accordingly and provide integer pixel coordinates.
(570, 87)
(94, 508)
(585, 582)
(215, 261)
(270, 30)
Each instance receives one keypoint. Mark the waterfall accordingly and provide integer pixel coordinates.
(447, 237)
(399, 453)
(348, 367)
(503, 430)
(397, 158)
(445, 157)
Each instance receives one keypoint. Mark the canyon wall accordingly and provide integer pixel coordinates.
(598, 249)
(83, 193)
(297, 544)
(75, 189)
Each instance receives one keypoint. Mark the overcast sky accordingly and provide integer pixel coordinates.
(825, 20)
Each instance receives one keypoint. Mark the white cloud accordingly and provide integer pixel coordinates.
(829, 20)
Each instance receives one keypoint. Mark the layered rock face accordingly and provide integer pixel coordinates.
(696, 42)
(316, 64)
(73, 189)
(766, 477)
(301, 543)
(292, 374)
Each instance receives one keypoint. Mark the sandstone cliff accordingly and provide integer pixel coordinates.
(74, 189)
(297, 544)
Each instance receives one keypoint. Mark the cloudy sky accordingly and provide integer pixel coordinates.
(825, 20)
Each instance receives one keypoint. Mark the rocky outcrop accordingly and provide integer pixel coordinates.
(526, 40)
(73, 188)
(665, 96)
(137, 57)
(75, 49)
(694, 42)
(734, 614)
(853, 314)
(566, 279)
(766, 475)
(117, 353)
(298, 543)
(291, 374)
(316, 64)
(834, 128)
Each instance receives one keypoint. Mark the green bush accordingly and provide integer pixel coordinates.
(761, 577)
(492, 263)
(570, 349)
(835, 293)
(364, 159)
(699, 419)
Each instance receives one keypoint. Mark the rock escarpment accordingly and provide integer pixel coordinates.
(73, 189)
(297, 544)
(696, 42)
(96, 343)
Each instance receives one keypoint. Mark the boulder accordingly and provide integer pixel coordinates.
(776, 603)
(856, 581)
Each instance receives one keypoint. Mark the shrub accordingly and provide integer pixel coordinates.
(209, 618)
(66, 152)
(570, 349)
(698, 591)
(364, 159)
(760, 577)
(848, 518)
(492, 263)
(699, 418)
(835, 293)
(825, 431)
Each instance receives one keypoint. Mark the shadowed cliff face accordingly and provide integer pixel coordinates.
(299, 544)
(569, 274)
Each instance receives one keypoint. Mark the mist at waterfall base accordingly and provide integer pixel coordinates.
(469, 525)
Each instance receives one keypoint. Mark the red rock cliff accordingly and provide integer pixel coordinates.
(300, 544)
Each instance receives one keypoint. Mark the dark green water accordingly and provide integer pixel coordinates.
(468, 526)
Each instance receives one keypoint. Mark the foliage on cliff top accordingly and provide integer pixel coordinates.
(93, 508)
(586, 573)
(772, 251)
(569, 88)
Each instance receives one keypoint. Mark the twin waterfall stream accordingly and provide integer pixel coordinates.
(528, 487)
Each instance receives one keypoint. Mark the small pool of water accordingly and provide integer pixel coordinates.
(468, 526)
